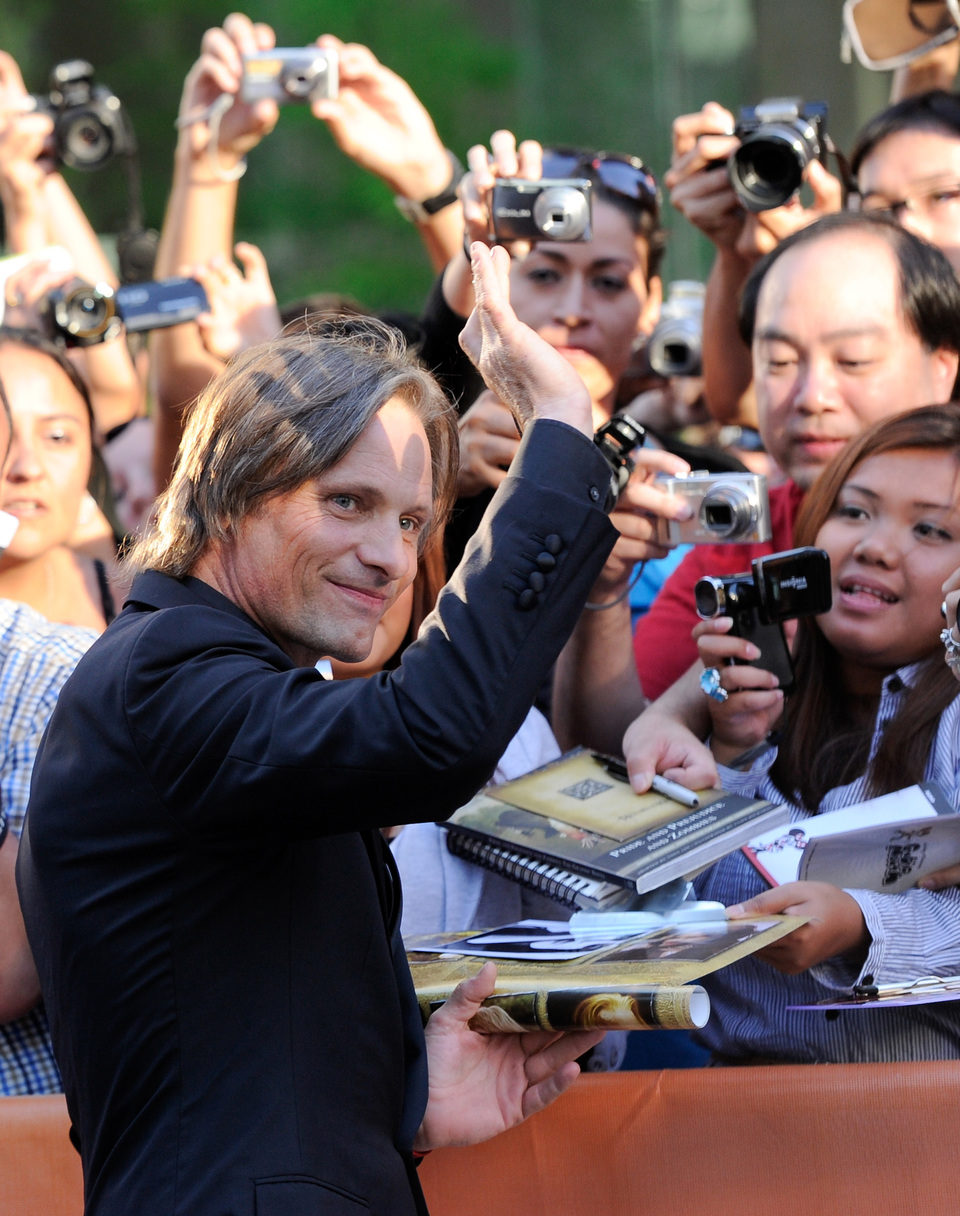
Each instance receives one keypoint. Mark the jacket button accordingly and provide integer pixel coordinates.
(527, 599)
(536, 580)
(552, 543)
(546, 561)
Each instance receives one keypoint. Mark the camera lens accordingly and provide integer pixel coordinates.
(674, 348)
(84, 313)
(83, 142)
(728, 513)
(562, 213)
(767, 169)
(298, 83)
(710, 598)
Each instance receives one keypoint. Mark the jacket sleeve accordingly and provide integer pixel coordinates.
(226, 738)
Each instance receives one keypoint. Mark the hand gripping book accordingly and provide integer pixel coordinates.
(576, 831)
(552, 977)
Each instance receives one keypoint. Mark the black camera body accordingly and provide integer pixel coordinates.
(779, 137)
(551, 209)
(83, 314)
(777, 588)
(290, 74)
(90, 125)
(675, 345)
(617, 439)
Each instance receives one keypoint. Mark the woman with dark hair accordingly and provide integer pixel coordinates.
(52, 464)
(875, 709)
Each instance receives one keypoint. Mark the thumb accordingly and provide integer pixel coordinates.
(827, 190)
(469, 995)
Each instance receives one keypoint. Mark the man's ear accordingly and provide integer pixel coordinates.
(650, 313)
(946, 365)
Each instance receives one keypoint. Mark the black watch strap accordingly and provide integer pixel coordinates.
(418, 212)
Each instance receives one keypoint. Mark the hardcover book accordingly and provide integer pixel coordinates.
(552, 978)
(575, 830)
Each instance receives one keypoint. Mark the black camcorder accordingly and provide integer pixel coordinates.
(83, 314)
(779, 137)
(777, 588)
(551, 209)
(290, 74)
(90, 125)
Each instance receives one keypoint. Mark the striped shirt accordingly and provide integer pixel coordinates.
(36, 656)
(913, 934)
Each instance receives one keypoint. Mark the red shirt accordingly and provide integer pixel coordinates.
(662, 644)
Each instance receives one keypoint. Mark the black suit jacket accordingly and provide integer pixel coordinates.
(212, 911)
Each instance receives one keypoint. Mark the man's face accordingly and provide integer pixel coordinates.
(914, 175)
(832, 352)
(317, 567)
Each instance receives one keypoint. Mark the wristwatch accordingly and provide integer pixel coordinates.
(420, 212)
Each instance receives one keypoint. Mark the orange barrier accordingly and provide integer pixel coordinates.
(39, 1167)
(861, 1139)
(784, 1140)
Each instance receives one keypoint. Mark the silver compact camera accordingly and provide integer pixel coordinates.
(287, 74)
(674, 347)
(552, 209)
(728, 508)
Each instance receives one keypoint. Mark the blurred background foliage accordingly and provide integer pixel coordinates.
(608, 76)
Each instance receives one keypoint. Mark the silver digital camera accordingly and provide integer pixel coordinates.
(286, 74)
(728, 508)
(675, 345)
(552, 209)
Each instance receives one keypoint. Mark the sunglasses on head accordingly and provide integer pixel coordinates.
(625, 175)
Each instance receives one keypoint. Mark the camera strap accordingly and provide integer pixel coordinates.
(212, 115)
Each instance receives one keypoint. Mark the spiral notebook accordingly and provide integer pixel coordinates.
(578, 833)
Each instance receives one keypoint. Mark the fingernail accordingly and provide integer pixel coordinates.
(734, 911)
(640, 782)
(753, 652)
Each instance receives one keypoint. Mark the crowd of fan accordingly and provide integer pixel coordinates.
(821, 324)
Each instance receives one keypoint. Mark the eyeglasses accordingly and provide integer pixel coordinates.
(927, 204)
(625, 175)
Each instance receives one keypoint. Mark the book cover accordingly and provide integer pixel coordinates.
(643, 981)
(883, 844)
(580, 833)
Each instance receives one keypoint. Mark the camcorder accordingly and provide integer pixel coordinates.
(551, 209)
(674, 347)
(779, 137)
(90, 125)
(617, 439)
(83, 314)
(777, 588)
(290, 74)
(728, 508)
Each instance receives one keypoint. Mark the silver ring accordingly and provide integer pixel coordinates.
(952, 648)
(710, 683)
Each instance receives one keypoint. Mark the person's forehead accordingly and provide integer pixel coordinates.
(844, 280)
(910, 156)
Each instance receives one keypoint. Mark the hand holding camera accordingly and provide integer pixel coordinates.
(379, 122)
(737, 180)
(218, 130)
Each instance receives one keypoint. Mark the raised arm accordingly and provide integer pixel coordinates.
(380, 123)
(216, 131)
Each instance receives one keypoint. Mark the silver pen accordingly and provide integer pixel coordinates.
(674, 790)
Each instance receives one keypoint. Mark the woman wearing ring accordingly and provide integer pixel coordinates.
(875, 709)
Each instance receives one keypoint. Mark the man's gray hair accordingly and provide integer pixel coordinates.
(280, 415)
